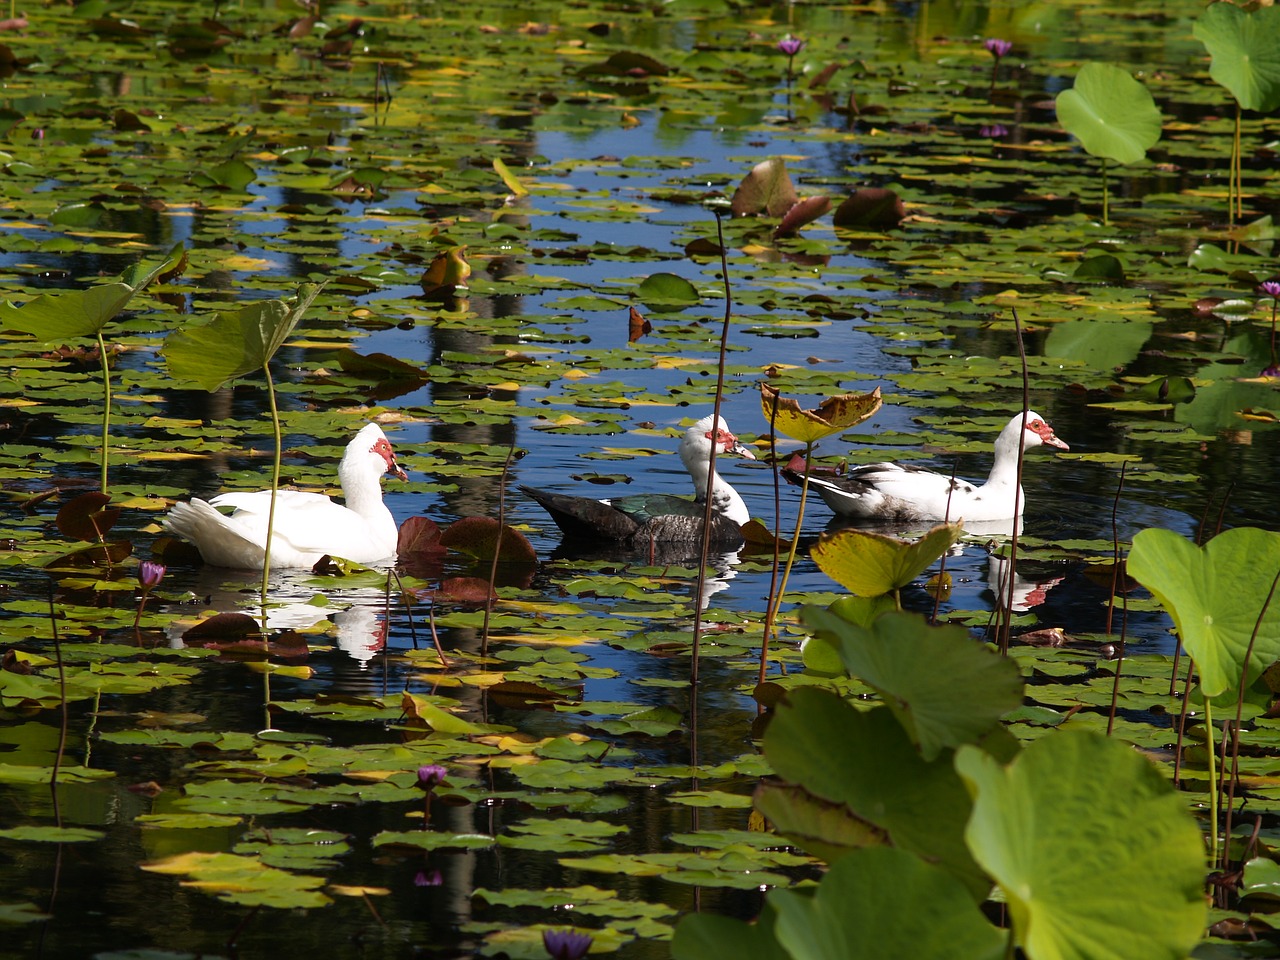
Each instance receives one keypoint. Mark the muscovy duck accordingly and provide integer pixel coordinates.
(903, 493)
(308, 526)
(661, 517)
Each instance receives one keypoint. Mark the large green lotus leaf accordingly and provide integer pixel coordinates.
(1100, 345)
(1215, 595)
(237, 342)
(1095, 852)
(1245, 52)
(864, 760)
(884, 904)
(1218, 405)
(708, 936)
(1110, 113)
(870, 564)
(944, 688)
(54, 317)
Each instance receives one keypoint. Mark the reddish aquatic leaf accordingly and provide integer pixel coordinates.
(83, 517)
(419, 536)
(804, 211)
(465, 590)
(479, 537)
(703, 247)
(380, 366)
(302, 27)
(95, 555)
(870, 207)
(128, 121)
(222, 628)
(825, 74)
(627, 63)
(523, 695)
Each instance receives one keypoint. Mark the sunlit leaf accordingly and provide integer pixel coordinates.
(958, 698)
(871, 905)
(1244, 51)
(1215, 595)
(863, 761)
(235, 343)
(1110, 113)
(870, 564)
(832, 415)
(1025, 830)
(766, 189)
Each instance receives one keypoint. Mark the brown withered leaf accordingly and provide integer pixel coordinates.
(637, 326)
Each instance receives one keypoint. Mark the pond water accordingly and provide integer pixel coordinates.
(617, 165)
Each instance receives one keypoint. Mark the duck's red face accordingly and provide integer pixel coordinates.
(1045, 433)
(382, 447)
(726, 442)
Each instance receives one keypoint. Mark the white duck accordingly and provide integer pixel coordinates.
(308, 526)
(661, 517)
(905, 493)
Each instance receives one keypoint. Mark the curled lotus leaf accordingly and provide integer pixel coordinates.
(831, 416)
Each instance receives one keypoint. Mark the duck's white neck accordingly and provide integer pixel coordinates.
(361, 487)
(725, 500)
(1004, 471)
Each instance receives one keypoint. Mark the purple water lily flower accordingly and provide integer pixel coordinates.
(1270, 287)
(428, 879)
(431, 776)
(996, 47)
(566, 944)
(994, 131)
(790, 45)
(150, 574)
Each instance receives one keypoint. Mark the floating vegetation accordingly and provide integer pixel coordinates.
(501, 230)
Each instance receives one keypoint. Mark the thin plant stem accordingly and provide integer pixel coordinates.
(497, 547)
(1235, 199)
(1213, 780)
(1106, 210)
(1115, 546)
(715, 427)
(63, 719)
(775, 598)
(777, 547)
(1235, 752)
(942, 564)
(106, 406)
(1111, 601)
(266, 550)
(278, 436)
(1182, 729)
(1003, 635)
